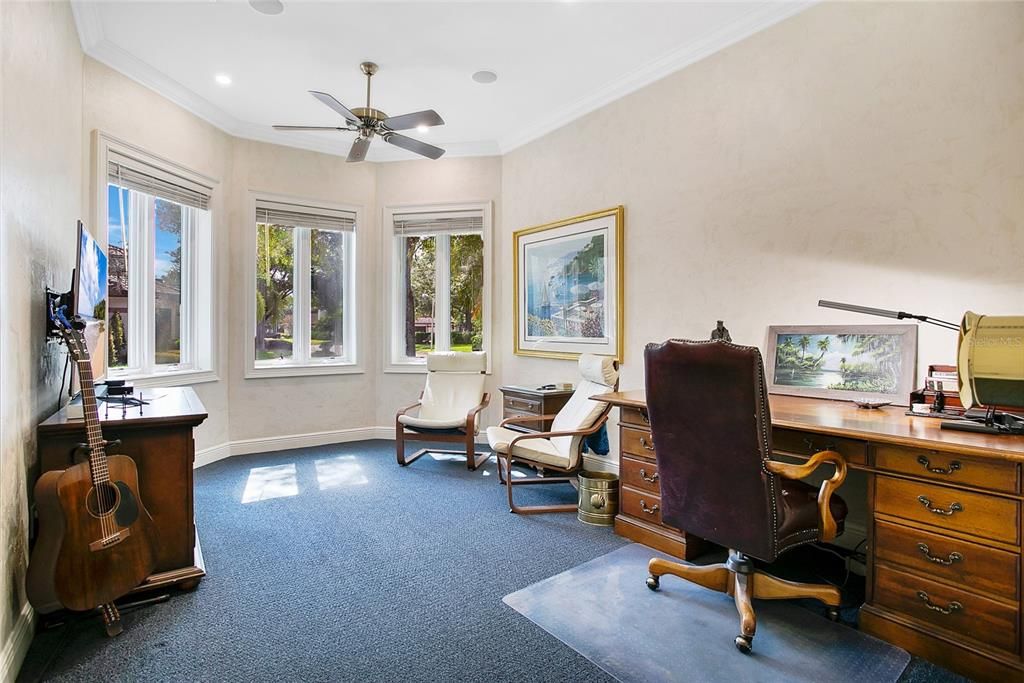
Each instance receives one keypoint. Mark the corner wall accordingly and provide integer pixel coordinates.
(40, 202)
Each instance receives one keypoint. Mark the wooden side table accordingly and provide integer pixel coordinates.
(524, 402)
(160, 442)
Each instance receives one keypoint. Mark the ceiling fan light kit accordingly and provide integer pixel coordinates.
(368, 122)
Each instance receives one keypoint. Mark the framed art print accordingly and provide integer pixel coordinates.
(567, 284)
(845, 362)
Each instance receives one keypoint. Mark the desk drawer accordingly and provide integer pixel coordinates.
(948, 468)
(639, 474)
(634, 416)
(636, 442)
(952, 609)
(522, 405)
(948, 508)
(948, 559)
(645, 506)
(796, 442)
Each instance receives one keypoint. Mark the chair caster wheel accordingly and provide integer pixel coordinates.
(743, 644)
(833, 614)
(653, 582)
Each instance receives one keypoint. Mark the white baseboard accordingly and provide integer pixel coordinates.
(16, 647)
(266, 444)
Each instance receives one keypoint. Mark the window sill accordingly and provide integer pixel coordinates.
(167, 379)
(418, 368)
(303, 370)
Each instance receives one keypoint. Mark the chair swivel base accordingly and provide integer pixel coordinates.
(738, 578)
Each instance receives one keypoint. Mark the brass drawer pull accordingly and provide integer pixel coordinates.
(953, 466)
(811, 448)
(646, 444)
(651, 479)
(953, 507)
(949, 609)
(643, 416)
(953, 558)
(648, 510)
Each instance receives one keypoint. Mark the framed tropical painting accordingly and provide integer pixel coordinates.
(845, 362)
(567, 284)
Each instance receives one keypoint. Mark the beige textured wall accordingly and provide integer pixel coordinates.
(283, 406)
(864, 152)
(131, 112)
(433, 182)
(40, 200)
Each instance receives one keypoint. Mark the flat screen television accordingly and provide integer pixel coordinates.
(89, 297)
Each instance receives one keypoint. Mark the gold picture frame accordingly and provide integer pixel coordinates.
(604, 308)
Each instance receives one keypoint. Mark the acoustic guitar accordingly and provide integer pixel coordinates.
(96, 538)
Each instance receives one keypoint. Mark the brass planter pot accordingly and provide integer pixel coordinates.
(599, 498)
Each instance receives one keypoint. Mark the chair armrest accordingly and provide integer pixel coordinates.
(403, 411)
(471, 415)
(547, 435)
(828, 524)
(524, 419)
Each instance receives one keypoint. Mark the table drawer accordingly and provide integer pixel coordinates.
(522, 405)
(645, 506)
(640, 474)
(634, 416)
(796, 442)
(948, 559)
(948, 468)
(636, 442)
(948, 508)
(952, 609)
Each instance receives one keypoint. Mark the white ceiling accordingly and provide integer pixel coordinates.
(555, 61)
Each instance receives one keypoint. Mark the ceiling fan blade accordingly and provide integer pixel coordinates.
(358, 151)
(428, 117)
(412, 145)
(337, 106)
(310, 128)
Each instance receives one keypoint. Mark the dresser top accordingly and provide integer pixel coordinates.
(887, 425)
(164, 406)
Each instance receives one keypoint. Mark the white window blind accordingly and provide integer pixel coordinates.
(135, 174)
(438, 223)
(297, 215)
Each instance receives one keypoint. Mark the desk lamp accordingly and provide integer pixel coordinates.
(990, 366)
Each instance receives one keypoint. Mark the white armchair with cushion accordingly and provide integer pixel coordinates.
(561, 449)
(449, 407)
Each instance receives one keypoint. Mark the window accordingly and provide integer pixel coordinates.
(159, 241)
(303, 310)
(438, 282)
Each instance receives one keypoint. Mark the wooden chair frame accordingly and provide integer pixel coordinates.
(467, 437)
(738, 578)
(506, 476)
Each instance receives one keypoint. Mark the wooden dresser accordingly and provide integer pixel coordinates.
(160, 442)
(524, 402)
(945, 510)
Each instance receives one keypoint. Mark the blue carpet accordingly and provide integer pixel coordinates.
(359, 571)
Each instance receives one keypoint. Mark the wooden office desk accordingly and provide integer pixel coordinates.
(944, 523)
(160, 442)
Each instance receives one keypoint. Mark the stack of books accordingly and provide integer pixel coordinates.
(940, 378)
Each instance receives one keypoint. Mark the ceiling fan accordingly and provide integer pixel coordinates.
(369, 122)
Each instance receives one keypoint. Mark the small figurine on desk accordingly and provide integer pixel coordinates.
(721, 332)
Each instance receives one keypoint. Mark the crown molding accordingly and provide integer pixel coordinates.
(756, 20)
(96, 45)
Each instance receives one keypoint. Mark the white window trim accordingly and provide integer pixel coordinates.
(389, 258)
(352, 364)
(104, 145)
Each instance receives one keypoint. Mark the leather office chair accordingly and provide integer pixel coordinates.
(711, 427)
(449, 407)
(561, 449)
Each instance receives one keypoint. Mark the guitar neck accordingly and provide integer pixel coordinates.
(90, 409)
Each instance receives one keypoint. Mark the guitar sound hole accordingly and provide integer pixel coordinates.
(102, 499)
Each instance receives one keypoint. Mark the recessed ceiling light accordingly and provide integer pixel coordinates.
(423, 129)
(222, 79)
(485, 77)
(267, 6)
